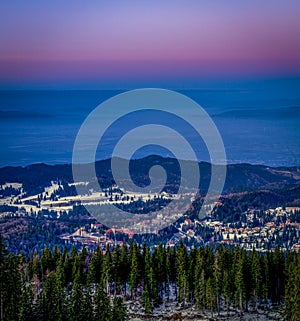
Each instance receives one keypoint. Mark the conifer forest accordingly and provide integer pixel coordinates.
(81, 285)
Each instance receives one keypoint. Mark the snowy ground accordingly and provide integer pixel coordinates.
(174, 311)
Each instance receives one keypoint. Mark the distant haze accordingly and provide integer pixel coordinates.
(259, 125)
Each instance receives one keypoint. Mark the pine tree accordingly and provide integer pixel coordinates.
(134, 271)
(35, 264)
(182, 272)
(156, 299)
(292, 291)
(119, 310)
(56, 255)
(76, 312)
(51, 304)
(201, 291)
(88, 303)
(255, 277)
(150, 296)
(265, 278)
(78, 269)
(190, 275)
(277, 278)
(95, 266)
(116, 269)
(60, 282)
(3, 254)
(147, 268)
(71, 271)
(47, 262)
(218, 277)
(146, 300)
(211, 295)
(124, 268)
(11, 290)
(39, 308)
(27, 308)
(159, 261)
(199, 280)
(102, 305)
(227, 289)
(240, 292)
(107, 270)
(84, 265)
(168, 274)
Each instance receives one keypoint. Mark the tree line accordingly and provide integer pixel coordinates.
(82, 285)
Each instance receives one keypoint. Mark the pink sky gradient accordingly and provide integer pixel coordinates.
(98, 40)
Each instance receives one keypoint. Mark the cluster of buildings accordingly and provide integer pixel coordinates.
(262, 230)
(94, 235)
(274, 229)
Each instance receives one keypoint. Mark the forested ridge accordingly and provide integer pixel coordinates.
(82, 285)
(240, 177)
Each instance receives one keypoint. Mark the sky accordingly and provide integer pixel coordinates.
(57, 44)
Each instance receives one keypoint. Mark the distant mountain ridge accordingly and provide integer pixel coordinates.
(240, 177)
(282, 113)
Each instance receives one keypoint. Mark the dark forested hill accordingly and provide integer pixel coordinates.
(240, 177)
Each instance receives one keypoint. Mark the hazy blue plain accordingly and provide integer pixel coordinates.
(259, 125)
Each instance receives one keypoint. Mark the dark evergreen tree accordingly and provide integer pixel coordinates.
(211, 295)
(3, 254)
(27, 309)
(77, 302)
(51, 299)
(47, 261)
(88, 303)
(118, 310)
(227, 289)
(199, 280)
(182, 272)
(102, 305)
(292, 291)
(95, 266)
(218, 277)
(107, 270)
(11, 290)
(240, 292)
(147, 300)
(134, 270)
(256, 278)
(124, 268)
